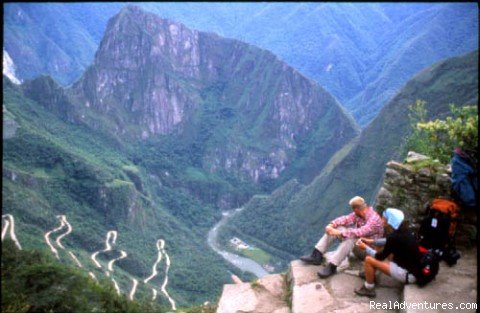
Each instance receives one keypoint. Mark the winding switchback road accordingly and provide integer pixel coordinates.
(10, 223)
(108, 247)
(47, 235)
(161, 252)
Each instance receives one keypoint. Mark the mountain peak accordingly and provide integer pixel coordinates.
(131, 9)
(153, 76)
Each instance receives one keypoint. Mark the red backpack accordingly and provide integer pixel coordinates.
(438, 228)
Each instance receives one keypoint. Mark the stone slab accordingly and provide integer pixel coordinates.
(236, 297)
(301, 273)
(266, 295)
(311, 298)
(275, 284)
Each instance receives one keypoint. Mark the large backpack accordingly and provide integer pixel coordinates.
(438, 228)
(429, 265)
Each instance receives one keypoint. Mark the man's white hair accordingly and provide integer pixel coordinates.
(357, 201)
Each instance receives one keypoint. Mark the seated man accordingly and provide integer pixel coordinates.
(362, 222)
(401, 244)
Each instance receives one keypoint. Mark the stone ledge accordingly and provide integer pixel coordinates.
(267, 295)
(334, 294)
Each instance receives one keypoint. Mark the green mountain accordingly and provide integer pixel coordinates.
(418, 41)
(156, 78)
(52, 167)
(167, 127)
(362, 53)
(294, 216)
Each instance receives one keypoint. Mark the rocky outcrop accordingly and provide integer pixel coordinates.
(137, 72)
(241, 108)
(52, 96)
(411, 186)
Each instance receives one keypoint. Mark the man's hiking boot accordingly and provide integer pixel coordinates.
(316, 258)
(366, 292)
(327, 271)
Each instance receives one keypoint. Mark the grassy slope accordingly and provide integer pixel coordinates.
(360, 171)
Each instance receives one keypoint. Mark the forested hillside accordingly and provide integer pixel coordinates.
(357, 169)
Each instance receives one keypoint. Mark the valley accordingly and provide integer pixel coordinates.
(160, 136)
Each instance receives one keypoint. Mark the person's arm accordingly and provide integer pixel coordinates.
(370, 251)
(344, 220)
(380, 242)
(389, 246)
(366, 230)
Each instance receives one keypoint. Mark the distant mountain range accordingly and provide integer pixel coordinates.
(361, 53)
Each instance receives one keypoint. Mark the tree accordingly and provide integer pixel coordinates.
(438, 138)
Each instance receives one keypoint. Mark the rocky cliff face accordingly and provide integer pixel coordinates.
(154, 77)
(132, 77)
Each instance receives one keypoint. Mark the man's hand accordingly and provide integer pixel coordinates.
(368, 241)
(329, 229)
(361, 244)
(336, 233)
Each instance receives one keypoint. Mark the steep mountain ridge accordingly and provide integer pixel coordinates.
(423, 47)
(153, 76)
(357, 169)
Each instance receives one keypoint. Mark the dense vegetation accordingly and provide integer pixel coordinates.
(437, 138)
(34, 282)
(358, 168)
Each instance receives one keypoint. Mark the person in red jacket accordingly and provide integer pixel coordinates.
(364, 221)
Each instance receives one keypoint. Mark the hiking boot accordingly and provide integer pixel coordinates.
(327, 271)
(316, 258)
(366, 292)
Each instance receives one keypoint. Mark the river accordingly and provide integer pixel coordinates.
(243, 263)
